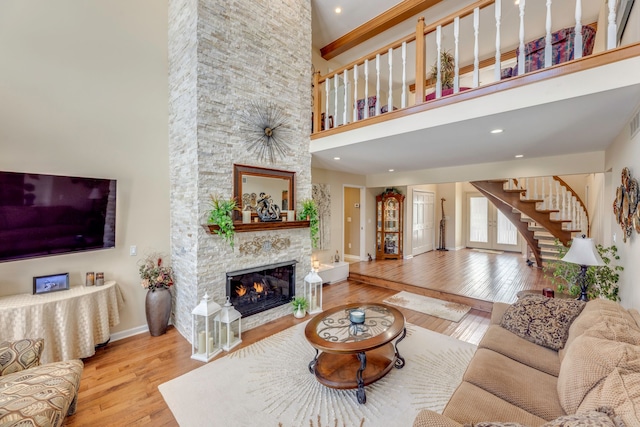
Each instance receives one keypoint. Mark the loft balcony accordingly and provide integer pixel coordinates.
(520, 68)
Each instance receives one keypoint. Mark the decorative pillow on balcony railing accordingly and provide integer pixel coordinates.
(563, 46)
(372, 107)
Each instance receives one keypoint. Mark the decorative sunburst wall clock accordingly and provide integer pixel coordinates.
(267, 131)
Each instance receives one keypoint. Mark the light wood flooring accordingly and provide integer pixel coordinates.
(119, 386)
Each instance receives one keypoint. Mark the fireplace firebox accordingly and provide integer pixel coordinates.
(259, 289)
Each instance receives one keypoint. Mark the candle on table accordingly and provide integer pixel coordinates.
(356, 316)
(201, 342)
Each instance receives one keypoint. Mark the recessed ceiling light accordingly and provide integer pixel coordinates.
(391, 170)
(519, 156)
(336, 158)
(496, 131)
(517, 2)
(338, 10)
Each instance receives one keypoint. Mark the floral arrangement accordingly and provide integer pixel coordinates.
(154, 275)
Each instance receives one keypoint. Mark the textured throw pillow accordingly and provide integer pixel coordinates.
(602, 417)
(541, 320)
(19, 355)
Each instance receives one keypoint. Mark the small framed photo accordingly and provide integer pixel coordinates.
(52, 283)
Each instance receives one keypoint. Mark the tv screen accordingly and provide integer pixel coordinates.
(42, 215)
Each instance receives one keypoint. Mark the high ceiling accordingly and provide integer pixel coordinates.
(580, 123)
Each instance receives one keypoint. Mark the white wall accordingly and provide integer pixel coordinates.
(624, 152)
(83, 91)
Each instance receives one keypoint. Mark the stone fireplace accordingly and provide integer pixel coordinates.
(217, 70)
(259, 289)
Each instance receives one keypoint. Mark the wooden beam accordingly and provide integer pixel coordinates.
(390, 18)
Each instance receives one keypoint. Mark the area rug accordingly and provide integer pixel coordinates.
(269, 384)
(431, 306)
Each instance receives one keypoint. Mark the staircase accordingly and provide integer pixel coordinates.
(542, 209)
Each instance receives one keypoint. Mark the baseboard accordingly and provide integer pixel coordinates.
(408, 257)
(351, 258)
(129, 332)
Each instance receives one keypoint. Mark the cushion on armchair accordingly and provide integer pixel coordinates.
(19, 355)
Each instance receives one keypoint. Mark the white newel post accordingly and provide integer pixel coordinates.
(403, 102)
(456, 41)
(346, 96)
(355, 93)
(498, 16)
(476, 59)
(521, 35)
(577, 50)
(377, 84)
(390, 94)
(366, 89)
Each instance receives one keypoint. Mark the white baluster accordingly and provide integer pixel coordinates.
(547, 45)
(535, 188)
(577, 44)
(403, 102)
(544, 200)
(327, 88)
(558, 199)
(366, 89)
(346, 97)
(550, 204)
(498, 10)
(390, 94)
(335, 99)
(565, 208)
(573, 213)
(526, 186)
(355, 93)
(476, 60)
(612, 28)
(377, 84)
(456, 41)
(439, 61)
(521, 47)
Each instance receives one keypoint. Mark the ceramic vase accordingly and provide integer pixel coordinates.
(158, 309)
(299, 313)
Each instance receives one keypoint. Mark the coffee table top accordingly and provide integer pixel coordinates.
(332, 330)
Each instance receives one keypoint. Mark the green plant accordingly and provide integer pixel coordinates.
(299, 303)
(602, 280)
(220, 215)
(310, 210)
(447, 70)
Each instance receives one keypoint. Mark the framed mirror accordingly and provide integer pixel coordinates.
(250, 181)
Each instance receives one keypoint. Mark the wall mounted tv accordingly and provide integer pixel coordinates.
(42, 215)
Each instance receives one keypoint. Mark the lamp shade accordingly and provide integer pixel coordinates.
(583, 252)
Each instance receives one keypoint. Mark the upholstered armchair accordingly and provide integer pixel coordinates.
(32, 394)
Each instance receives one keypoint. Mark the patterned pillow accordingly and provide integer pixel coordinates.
(602, 417)
(541, 320)
(20, 355)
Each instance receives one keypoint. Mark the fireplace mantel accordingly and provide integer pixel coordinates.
(241, 227)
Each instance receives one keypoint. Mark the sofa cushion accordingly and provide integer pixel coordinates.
(40, 396)
(587, 362)
(543, 321)
(530, 389)
(19, 355)
(471, 403)
(619, 390)
(596, 312)
(514, 347)
(603, 417)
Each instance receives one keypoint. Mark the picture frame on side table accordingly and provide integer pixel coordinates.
(51, 283)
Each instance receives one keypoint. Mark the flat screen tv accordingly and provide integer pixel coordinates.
(42, 215)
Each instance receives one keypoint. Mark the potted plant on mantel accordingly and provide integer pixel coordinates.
(309, 212)
(221, 215)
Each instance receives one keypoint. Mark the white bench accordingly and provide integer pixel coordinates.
(334, 272)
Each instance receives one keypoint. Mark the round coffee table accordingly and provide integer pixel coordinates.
(353, 355)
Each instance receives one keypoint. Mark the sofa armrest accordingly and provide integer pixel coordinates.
(498, 311)
(427, 418)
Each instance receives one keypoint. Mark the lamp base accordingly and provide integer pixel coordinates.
(582, 280)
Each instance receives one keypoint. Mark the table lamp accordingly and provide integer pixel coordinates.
(584, 253)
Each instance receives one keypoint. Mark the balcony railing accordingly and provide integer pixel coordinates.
(396, 76)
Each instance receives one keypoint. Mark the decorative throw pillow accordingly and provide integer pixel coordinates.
(541, 320)
(19, 355)
(602, 417)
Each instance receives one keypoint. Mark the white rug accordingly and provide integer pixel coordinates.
(269, 384)
(431, 306)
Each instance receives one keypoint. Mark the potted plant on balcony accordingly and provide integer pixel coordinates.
(221, 215)
(447, 70)
(309, 212)
(300, 305)
(602, 280)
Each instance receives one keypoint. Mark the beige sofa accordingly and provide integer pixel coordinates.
(511, 379)
(32, 394)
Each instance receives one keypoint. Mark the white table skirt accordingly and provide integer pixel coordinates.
(71, 322)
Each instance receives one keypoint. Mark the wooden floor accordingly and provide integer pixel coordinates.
(119, 386)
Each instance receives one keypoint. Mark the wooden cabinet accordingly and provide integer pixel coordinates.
(389, 225)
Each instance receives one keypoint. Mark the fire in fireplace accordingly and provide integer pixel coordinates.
(259, 289)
